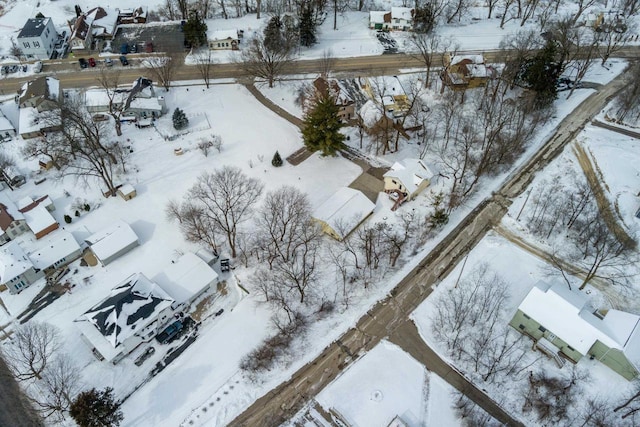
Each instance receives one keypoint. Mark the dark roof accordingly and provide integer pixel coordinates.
(5, 218)
(81, 28)
(34, 27)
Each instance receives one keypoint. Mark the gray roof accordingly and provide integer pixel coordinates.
(34, 27)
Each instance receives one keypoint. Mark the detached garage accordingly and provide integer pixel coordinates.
(112, 242)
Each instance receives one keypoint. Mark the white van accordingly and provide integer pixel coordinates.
(37, 67)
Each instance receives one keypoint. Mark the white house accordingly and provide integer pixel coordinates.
(399, 18)
(55, 252)
(343, 212)
(223, 39)
(37, 38)
(406, 179)
(104, 22)
(134, 312)
(112, 242)
(36, 97)
(16, 269)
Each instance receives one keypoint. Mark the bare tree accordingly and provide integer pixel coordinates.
(32, 347)
(61, 382)
(260, 60)
(226, 197)
(327, 63)
(163, 68)
(629, 408)
(551, 397)
(627, 103)
(427, 45)
(109, 80)
(204, 64)
(195, 223)
(16, 50)
(610, 42)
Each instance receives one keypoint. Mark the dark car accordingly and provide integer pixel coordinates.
(123, 60)
(83, 63)
(144, 356)
(124, 48)
(92, 62)
(170, 332)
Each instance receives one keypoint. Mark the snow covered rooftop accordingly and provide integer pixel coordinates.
(109, 241)
(8, 211)
(410, 172)
(189, 276)
(98, 98)
(377, 17)
(213, 35)
(130, 306)
(61, 245)
(5, 124)
(13, 261)
(405, 13)
(146, 104)
(39, 219)
(568, 315)
(127, 189)
(344, 210)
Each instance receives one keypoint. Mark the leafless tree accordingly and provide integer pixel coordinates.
(16, 50)
(204, 64)
(629, 408)
(627, 103)
(82, 148)
(515, 51)
(162, 68)
(109, 80)
(552, 397)
(507, 12)
(37, 148)
(610, 42)
(33, 345)
(226, 197)
(456, 9)
(426, 46)
(596, 412)
(61, 382)
(195, 223)
(327, 63)
(168, 10)
(629, 7)
(471, 414)
(259, 60)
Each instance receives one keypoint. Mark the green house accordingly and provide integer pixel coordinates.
(562, 322)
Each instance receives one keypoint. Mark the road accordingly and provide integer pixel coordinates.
(388, 318)
(15, 409)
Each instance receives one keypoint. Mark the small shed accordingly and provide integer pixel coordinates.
(127, 191)
(112, 242)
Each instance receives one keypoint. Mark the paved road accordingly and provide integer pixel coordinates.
(618, 129)
(384, 319)
(15, 409)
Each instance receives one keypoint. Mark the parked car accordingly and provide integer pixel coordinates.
(124, 49)
(18, 180)
(83, 63)
(108, 62)
(37, 67)
(144, 356)
(92, 62)
(106, 47)
(100, 117)
(219, 312)
(123, 60)
(170, 332)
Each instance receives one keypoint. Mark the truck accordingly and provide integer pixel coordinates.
(170, 332)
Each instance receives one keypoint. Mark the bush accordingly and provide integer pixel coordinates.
(180, 120)
(277, 160)
(87, 207)
(77, 213)
(67, 219)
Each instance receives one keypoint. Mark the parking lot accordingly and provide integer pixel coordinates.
(165, 38)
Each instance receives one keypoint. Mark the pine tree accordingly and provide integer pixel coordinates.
(307, 28)
(541, 74)
(273, 38)
(277, 160)
(195, 31)
(322, 127)
(180, 120)
(96, 408)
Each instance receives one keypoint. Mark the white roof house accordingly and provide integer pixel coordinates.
(132, 313)
(13, 261)
(412, 174)
(341, 213)
(112, 242)
(187, 279)
(40, 221)
(377, 16)
(55, 251)
(405, 13)
(222, 35)
(569, 316)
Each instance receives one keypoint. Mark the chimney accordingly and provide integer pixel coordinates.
(78, 11)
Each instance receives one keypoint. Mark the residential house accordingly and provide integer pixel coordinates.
(16, 269)
(133, 16)
(406, 179)
(97, 100)
(12, 221)
(465, 71)
(56, 252)
(112, 242)
(142, 101)
(37, 215)
(7, 131)
(343, 212)
(324, 87)
(187, 281)
(81, 37)
(134, 312)
(398, 19)
(38, 102)
(104, 22)
(37, 39)
(223, 39)
(388, 93)
(380, 124)
(564, 326)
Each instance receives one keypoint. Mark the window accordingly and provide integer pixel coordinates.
(26, 45)
(36, 44)
(394, 181)
(521, 326)
(525, 316)
(46, 32)
(571, 348)
(23, 228)
(542, 329)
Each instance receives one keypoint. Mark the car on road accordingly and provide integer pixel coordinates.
(83, 63)
(170, 332)
(123, 60)
(92, 62)
(108, 62)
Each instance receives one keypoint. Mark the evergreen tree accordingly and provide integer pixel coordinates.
(39, 15)
(322, 127)
(541, 75)
(195, 31)
(273, 37)
(277, 160)
(180, 120)
(96, 408)
(307, 28)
